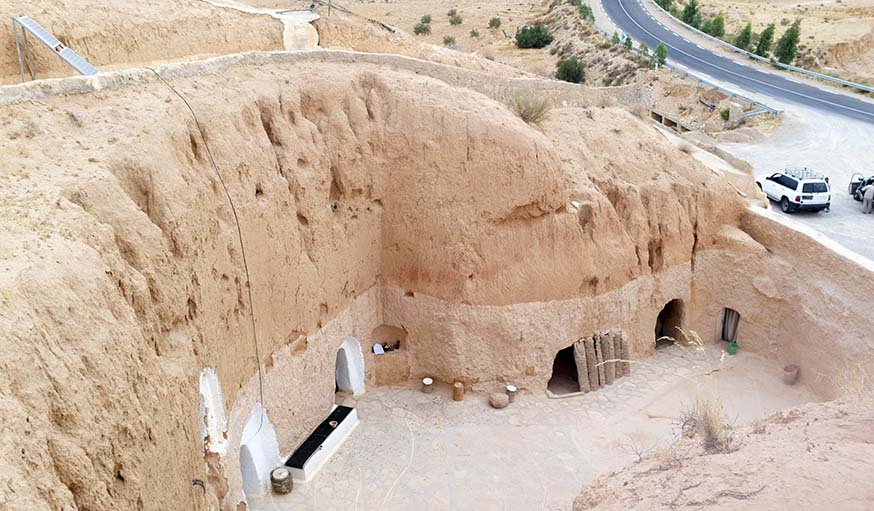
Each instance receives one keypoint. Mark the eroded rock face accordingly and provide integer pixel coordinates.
(364, 197)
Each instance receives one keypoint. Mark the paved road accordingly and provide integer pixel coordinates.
(632, 17)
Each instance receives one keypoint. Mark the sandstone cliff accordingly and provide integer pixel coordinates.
(123, 271)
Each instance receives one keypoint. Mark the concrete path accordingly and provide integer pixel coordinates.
(426, 452)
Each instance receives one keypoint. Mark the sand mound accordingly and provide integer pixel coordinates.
(813, 457)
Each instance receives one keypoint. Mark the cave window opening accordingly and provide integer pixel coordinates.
(565, 379)
(669, 324)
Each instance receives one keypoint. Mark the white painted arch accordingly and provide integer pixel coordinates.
(349, 369)
(213, 420)
(259, 452)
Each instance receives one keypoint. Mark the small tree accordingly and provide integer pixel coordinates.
(787, 46)
(533, 36)
(426, 19)
(661, 54)
(692, 14)
(628, 42)
(644, 49)
(422, 29)
(448, 40)
(717, 26)
(571, 70)
(474, 33)
(455, 20)
(616, 39)
(495, 22)
(743, 38)
(766, 40)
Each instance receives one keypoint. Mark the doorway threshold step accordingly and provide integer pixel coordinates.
(322, 443)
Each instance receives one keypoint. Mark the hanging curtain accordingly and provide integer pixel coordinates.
(730, 320)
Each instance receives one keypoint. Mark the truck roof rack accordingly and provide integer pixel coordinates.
(802, 173)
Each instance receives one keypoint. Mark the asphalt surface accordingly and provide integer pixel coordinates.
(632, 17)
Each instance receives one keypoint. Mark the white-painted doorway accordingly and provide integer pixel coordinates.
(259, 452)
(349, 368)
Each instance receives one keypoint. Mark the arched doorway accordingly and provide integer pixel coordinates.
(730, 324)
(565, 377)
(259, 452)
(349, 368)
(669, 324)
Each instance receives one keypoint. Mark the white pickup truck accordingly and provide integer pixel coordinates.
(796, 189)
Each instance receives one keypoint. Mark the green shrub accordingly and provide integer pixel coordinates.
(584, 10)
(455, 20)
(725, 114)
(451, 13)
(422, 29)
(474, 33)
(571, 70)
(644, 49)
(665, 4)
(615, 38)
(629, 43)
(714, 26)
(495, 22)
(533, 36)
(426, 19)
(661, 53)
(448, 40)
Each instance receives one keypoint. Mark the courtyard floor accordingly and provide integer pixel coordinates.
(415, 451)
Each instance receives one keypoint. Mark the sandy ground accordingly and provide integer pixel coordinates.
(405, 14)
(439, 454)
(835, 146)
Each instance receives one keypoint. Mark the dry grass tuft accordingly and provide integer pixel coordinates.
(856, 383)
(529, 106)
(705, 419)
